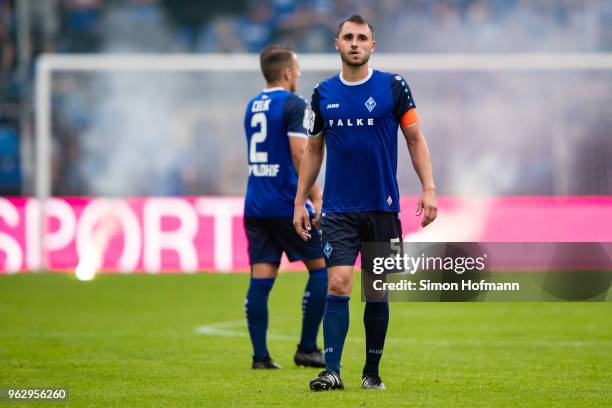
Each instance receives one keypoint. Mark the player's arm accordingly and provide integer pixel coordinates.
(421, 160)
(310, 165)
(298, 146)
(406, 114)
(297, 119)
(309, 170)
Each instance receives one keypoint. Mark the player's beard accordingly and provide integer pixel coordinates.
(346, 59)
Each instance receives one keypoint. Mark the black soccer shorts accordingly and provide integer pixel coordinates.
(268, 238)
(343, 233)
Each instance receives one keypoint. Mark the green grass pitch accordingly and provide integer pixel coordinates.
(180, 340)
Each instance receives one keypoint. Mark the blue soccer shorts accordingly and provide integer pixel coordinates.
(343, 233)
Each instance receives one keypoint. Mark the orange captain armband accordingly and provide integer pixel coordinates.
(409, 118)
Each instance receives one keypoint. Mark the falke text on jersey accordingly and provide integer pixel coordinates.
(351, 122)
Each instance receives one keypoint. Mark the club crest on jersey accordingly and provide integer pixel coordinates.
(309, 120)
(370, 104)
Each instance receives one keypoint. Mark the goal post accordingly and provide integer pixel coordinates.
(49, 64)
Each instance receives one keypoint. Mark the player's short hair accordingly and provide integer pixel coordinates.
(357, 19)
(273, 59)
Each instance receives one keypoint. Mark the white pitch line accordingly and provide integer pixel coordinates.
(221, 330)
(237, 329)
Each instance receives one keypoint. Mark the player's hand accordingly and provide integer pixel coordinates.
(301, 221)
(428, 206)
(318, 205)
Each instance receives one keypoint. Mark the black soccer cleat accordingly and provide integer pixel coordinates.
(326, 381)
(309, 359)
(372, 382)
(264, 364)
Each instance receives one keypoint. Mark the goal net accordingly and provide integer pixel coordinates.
(171, 125)
(116, 125)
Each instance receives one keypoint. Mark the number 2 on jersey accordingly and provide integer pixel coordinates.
(258, 119)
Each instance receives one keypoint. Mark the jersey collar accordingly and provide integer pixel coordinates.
(363, 81)
(278, 88)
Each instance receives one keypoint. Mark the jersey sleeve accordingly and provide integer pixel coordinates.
(315, 121)
(294, 115)
(404, 107)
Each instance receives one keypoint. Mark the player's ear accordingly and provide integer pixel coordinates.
(287, 73)
(373, 45)
(336, 42)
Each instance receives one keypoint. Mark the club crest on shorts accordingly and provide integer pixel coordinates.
(370, 104)
(327, 249)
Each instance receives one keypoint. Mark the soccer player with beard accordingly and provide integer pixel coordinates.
(276, 138)
(356, 115)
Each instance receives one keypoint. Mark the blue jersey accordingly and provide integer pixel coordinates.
(360, 121)
(270, 119)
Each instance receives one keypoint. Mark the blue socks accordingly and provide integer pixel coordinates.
(376, 321)
(313, 306)
(257, 315)
(335, 327)
(335, 321)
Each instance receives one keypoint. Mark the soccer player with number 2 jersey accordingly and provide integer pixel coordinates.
(356, 115)
(276, 138)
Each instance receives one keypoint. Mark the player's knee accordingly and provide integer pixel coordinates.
(315, 264)
(339, 285)
(264, 271)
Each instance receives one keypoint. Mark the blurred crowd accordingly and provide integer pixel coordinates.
(195, 26)
(308, 25)
(90, 26)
